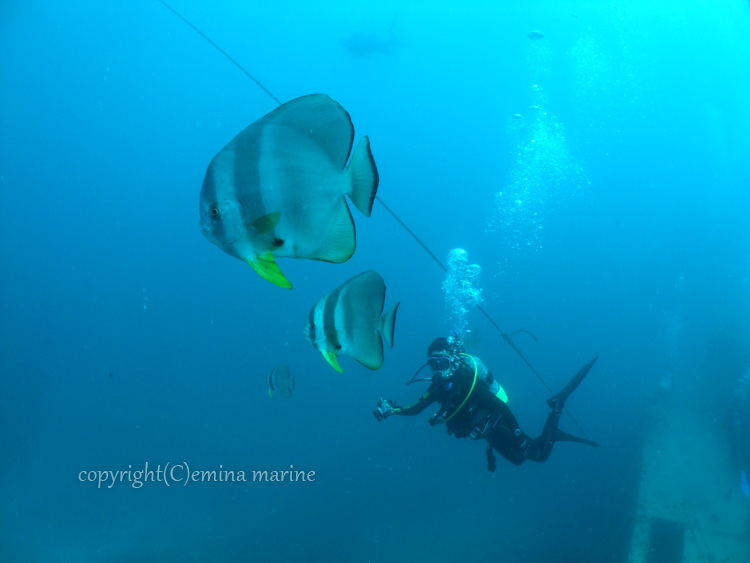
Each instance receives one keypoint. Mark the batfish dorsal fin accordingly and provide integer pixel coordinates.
(365, 293)
(266, 266)
(364, 299)
(321, 119)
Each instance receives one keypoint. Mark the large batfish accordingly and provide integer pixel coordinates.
(347, 322)
(277, 189)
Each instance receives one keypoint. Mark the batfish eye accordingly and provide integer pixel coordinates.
(214, 212)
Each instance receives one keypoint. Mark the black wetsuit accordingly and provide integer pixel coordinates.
(484, 416)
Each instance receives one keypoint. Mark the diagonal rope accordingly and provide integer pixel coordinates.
(222, 51)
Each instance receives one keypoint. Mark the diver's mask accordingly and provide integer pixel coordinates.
(447, 362)
(439, 363)
(444, 364)
(441, 366)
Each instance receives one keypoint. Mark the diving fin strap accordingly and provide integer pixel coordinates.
(265, 265)
(331, 359)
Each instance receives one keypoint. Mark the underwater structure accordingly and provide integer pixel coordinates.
(692, 506)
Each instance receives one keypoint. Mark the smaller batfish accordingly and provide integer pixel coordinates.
(347, 322)
(535, 35)
(280, 379)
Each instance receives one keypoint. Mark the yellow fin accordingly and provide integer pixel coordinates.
(502, 395)
(269, 394)
(331, 359)
(266, 223)
(265, 265)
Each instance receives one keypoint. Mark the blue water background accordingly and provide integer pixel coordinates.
(110, 114)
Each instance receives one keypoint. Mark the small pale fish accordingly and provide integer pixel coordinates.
(280, 379)
(277, 189)
(347, 322)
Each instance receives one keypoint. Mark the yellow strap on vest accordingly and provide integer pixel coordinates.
(501, 394)
(470, 390)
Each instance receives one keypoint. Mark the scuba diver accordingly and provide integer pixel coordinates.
(473, 404)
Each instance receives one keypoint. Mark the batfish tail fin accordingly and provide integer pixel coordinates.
(265, 265)
(387, 324)
(364, 177)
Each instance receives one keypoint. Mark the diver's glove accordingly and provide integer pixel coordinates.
(435, 420)
(438, 418)
(384, 410)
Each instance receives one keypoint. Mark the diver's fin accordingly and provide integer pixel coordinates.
(331, 359)
(364, 176)
(265, 265)
(562, 436)
(558, 401)
(491, 466)
(265, 223)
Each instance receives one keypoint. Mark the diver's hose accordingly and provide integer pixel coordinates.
(473, 383)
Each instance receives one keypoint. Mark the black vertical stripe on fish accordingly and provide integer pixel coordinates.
(329, 318)
(350, 316)
(269, 380)
(247, 154)
(311, 332)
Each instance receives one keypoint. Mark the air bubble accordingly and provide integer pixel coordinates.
(462, 291)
